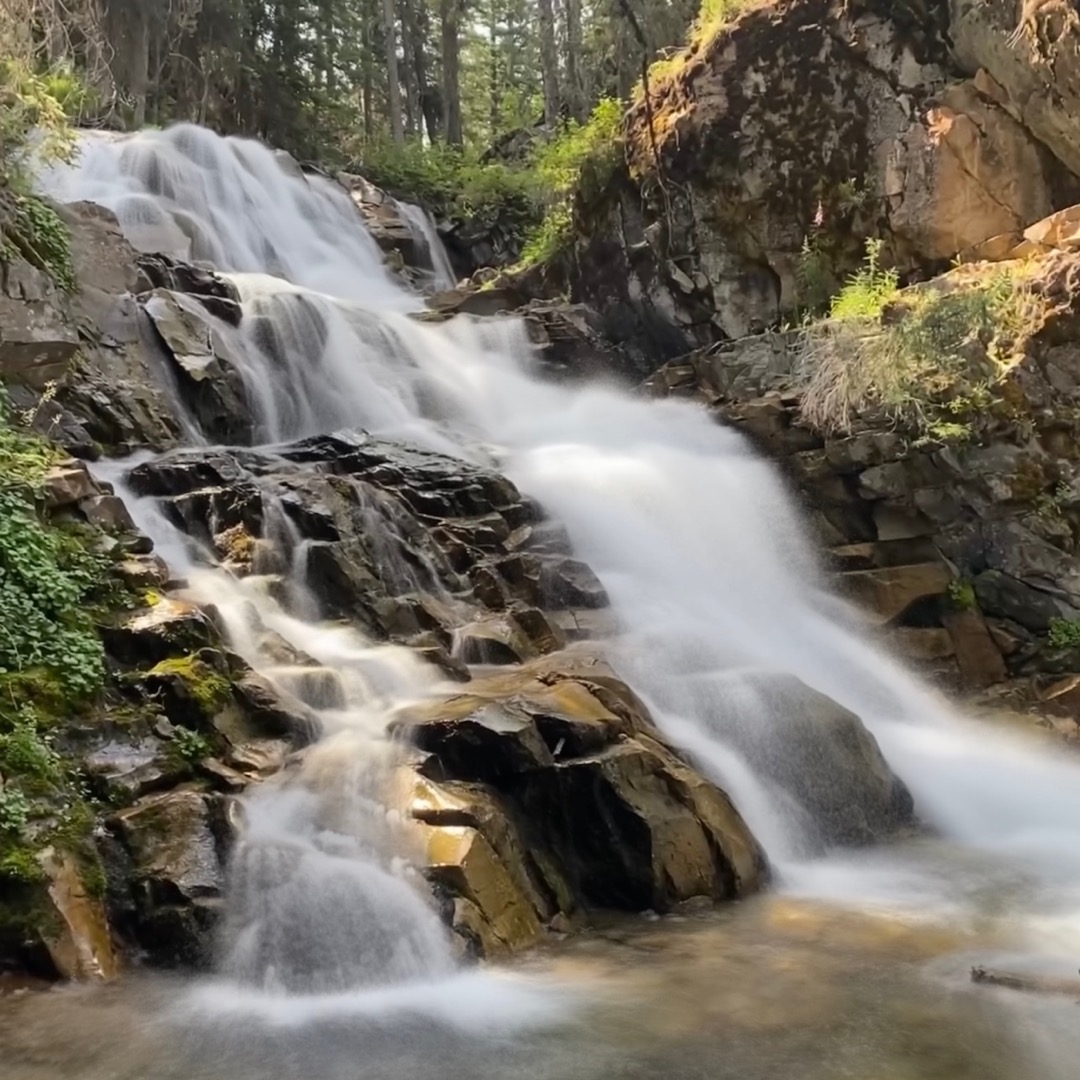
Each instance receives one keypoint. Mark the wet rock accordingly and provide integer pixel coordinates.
(124, 770)
(178, 875)
(169, 628)
(80, 943)
(891, 591)
(822, 756)
(208, 373)
(38, 335)
(579, 804)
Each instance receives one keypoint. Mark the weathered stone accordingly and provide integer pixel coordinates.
(980, 661)
(123, 770)
(81, 945)
(177, 873)
(822, 756)
(107, 512)
(67, 484)
(208, 373)
(1028, 57)
(889, 591)
(38, 335)
(167, 629)
(1006, 596)
(560, 770)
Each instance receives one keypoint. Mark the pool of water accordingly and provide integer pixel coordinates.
(773, 988)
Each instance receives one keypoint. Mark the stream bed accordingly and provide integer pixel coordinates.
(768, 989)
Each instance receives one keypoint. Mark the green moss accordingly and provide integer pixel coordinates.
(39, 235)
(1064, 633)
(210, 690)
(961, 595)
(19, 863)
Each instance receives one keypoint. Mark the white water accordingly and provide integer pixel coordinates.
(423, 228)
(697, 542)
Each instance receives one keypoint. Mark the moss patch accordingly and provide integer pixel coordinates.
(209, 689)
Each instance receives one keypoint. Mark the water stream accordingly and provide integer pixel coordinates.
(710, 571)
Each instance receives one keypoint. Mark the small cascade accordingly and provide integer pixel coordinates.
(423, 229)
(706, 560)
(320, 900)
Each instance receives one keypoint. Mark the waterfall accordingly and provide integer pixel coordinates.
(423, 228)
(699, 545)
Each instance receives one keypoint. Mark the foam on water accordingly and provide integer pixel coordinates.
(700, 547)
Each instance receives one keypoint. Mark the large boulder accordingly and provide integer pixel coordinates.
(548, 792)
(819, 755)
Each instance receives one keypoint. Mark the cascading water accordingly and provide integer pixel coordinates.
(423, 228)
(693, 536)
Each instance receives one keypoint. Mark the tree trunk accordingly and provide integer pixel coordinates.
(574, 91)
(450, 11)
(494, 79)
(549, 62)
(393, 80)
(430, 103)
(139, 65)
(413, 120)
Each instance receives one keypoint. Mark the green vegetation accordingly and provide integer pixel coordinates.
(573, 166)
(209, 689)
(453, 183)
(29, 227)
(190, 746)
(868, 290)
(961, 594)
(51, 663)
(712, 17)
(1064, 633)
(533, 198)
(930, 356)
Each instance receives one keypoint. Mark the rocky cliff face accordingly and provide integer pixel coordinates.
(765, 157)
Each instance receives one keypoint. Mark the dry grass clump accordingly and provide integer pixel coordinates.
(929, 356)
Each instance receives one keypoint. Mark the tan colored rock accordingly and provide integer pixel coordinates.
(82, 947)
(922, 644)
(967, 172)
(463, 861)
(1060, 231)
(1030, 55)
(68, 483)
(980, 660)
(888, 591)
(547, 791)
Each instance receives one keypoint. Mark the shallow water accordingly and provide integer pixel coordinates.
(775, 987)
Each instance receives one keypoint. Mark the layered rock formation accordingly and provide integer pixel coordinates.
(765, 157)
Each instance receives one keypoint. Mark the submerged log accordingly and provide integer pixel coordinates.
(1013, 980)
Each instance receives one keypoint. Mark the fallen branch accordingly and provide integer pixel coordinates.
(1039, 984)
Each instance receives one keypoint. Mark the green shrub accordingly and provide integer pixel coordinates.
(930, 355)
(48, 576)
(578, 162)
(1064, 633)
(868, 290)
(190, 746)
(14, 810)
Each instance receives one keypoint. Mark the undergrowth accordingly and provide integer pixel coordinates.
(531, 199)
(930, 356)
(51, 662)
(712, 17)
(33, 125)
(575, 165)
